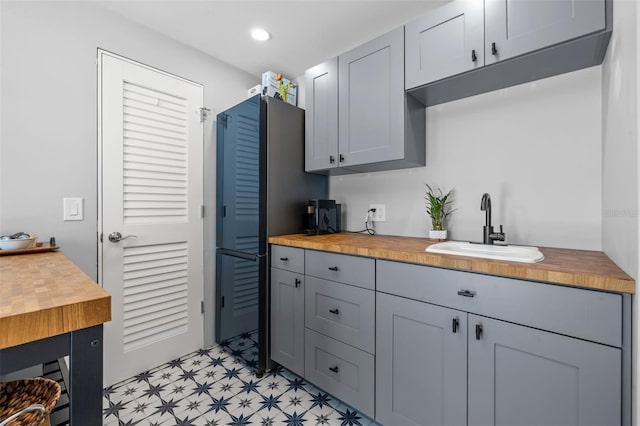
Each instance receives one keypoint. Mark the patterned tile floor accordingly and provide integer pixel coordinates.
(218, 386)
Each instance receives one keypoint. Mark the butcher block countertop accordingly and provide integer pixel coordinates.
(581, 268)
(44, 295)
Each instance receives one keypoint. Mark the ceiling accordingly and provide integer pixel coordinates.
(304, 32)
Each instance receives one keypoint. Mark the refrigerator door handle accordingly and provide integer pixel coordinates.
(242, 255)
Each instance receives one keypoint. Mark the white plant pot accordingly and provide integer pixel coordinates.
(437, 235)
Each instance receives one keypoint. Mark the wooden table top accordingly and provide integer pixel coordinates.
(581, 268)
(44, 295)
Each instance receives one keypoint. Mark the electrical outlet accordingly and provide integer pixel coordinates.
(380, 215)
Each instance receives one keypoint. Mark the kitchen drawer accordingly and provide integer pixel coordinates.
(358, 271)
(586, 314)
(288, 258)
(342, 370)
(344, 312)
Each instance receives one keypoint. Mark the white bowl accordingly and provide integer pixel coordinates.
(16, 244)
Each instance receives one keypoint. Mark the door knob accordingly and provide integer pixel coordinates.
(114, 237)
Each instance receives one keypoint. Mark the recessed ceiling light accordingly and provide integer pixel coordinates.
(260, 34)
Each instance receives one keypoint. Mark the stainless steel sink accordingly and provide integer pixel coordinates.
(510, 253)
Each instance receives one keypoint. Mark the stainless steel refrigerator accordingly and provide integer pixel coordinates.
(261, 190)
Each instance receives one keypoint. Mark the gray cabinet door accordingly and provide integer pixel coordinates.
(421, 363)
(518, 27)
(287, 319)
(371, 101)
(523, 376)
(447, 41)
(321, 116)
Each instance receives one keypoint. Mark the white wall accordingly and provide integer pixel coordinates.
(535, 148)
(621, 104)
(48, 138)
(620, 139)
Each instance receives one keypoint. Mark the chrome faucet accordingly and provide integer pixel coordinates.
(488, 236)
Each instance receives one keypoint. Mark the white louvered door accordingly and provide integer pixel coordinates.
(151, 193)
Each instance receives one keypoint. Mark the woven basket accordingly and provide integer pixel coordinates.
(26, 402)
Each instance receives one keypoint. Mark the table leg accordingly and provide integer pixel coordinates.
(85, 377)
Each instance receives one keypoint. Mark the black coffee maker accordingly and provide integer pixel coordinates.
(322, 217)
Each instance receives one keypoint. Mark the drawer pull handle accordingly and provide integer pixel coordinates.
(455, 324)
(284, 259)
(494, 49)
(474, 57)
(335, 369)
(478, 331)
(298, 282)
(334, 311)
(333, 268)
(466, 293)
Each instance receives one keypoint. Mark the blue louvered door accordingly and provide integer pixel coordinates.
(238, 219)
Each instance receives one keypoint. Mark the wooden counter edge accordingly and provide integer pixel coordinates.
(30, 326)
(470, 264)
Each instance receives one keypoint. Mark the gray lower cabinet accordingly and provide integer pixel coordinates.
(340, 326)
(287, 319)
(523, 353)
(323, 321)
(344, 312)
(514, 375)
(419, 345)
(520, 376)
(421, 363)
(340, 369)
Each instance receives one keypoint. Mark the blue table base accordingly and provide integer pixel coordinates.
(84, 348)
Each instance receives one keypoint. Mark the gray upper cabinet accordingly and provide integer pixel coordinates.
(446, 42)
(421, 363)
(321, 116)
(523, 376)
(371, 101)
(515, 27)
(469, 47)
(378, 127)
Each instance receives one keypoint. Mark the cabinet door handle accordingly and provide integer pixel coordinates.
(466, 293)
(455, 324)
(494, 49)
(334, 311)
(478, 331)
(298, 282)
(332, 159)
(341, 158)
(335, 369)
(474, 57)
(284, 259)
(333, 268)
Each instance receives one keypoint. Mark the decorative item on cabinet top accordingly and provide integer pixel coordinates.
(276, 86)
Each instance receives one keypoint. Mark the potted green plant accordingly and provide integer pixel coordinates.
(283, 89)
(438, 209)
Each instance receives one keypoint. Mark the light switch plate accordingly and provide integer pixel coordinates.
(73, 209)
